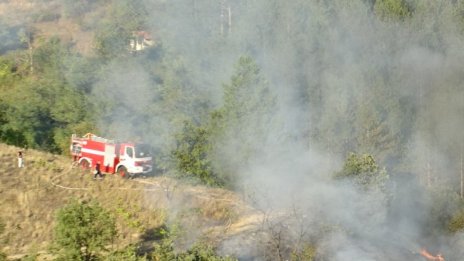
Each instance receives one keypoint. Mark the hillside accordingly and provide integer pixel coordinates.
(339, 122)
(46, 19)
(31, 196)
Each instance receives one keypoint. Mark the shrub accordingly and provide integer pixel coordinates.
(457, 222)
(82, 230)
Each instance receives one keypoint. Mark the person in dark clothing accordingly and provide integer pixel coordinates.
(97, 171)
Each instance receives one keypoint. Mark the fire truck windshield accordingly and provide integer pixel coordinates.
(142, 151)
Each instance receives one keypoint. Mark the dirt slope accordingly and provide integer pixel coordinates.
(30, 197)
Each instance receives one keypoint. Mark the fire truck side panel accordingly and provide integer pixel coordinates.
(93, 150)
(117, 157)
(108, 161)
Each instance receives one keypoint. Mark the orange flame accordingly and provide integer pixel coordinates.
(431, 257)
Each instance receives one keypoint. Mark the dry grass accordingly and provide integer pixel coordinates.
(68, 32)
(30, 197)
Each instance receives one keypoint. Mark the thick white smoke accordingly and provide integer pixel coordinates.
(328, 64)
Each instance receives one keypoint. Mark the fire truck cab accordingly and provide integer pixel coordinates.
(127, 158)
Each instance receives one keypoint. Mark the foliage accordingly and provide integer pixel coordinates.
(192, 154)
(178, 100)
(129, 253)
(456, 223)
(129, 215)
(7, 75)
(73, 9)
(116, 28)
(375, 76)
(54, 109)
(200, 252)
(392, 9)
(165, 249)
(372, 191)
(83, 230)
(444, 213)
(308, 253)
(239, 127)
(235, 131)
(364, 171)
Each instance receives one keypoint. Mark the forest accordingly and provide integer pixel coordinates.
(346, 113)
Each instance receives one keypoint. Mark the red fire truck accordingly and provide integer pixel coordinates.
(127, 159)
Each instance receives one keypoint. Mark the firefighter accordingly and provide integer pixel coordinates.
(97, 171)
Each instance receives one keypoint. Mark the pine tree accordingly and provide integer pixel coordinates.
(241, 126)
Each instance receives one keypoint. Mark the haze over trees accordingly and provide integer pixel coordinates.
(264, 94)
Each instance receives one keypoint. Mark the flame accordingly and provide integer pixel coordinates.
(429, 256)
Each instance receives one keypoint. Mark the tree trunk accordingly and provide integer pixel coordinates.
(462, 176)
(31, 57)
(429, 173)
(222, 18)
(230, 20)
(194, 10)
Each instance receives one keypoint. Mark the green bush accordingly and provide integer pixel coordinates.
(199, 252)
(364, 171)
(83, 230)
(191, 154)
(457, 222)
(202, 252)
(165, 248)
(392, 9)
(127, 254)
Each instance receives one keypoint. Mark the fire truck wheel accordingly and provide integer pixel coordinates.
(85, 165)
(122, 171)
